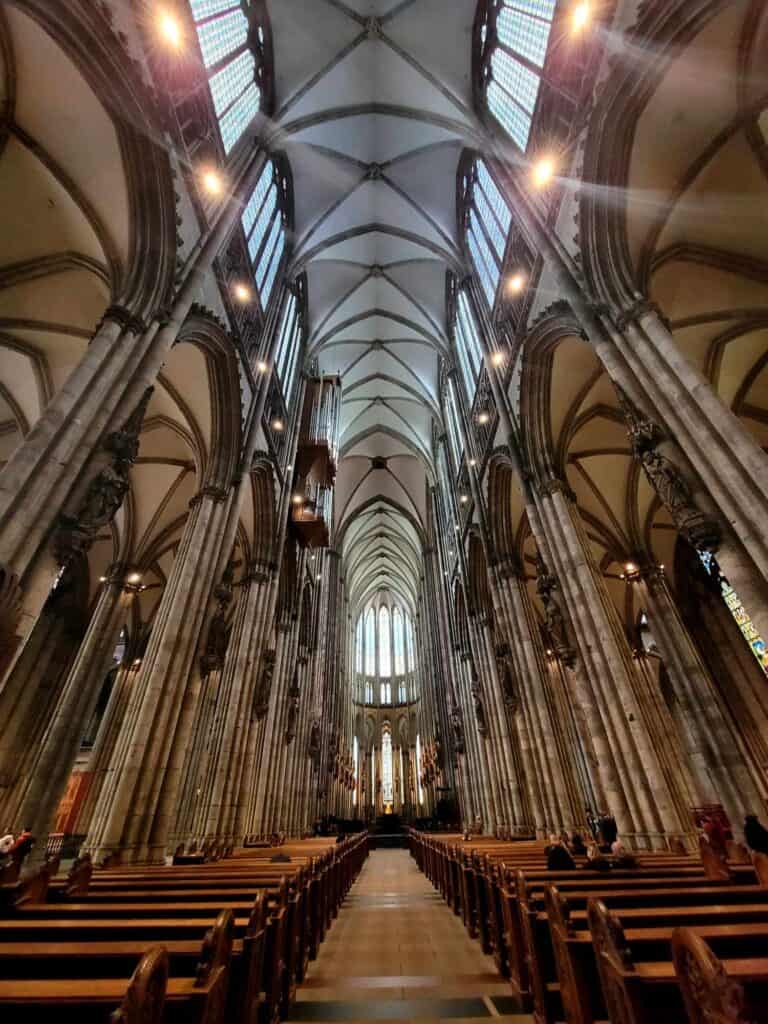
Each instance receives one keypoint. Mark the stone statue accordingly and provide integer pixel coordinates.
(313, 748)
(477, 700)
(293, 709)
(458, 729)
(505, 669)
(546, 585)
(261, 695)
(75, 534)
(217, 642)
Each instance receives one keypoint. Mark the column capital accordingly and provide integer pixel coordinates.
(217, 494)
(124, 317)
(636, 310)
(555, 485)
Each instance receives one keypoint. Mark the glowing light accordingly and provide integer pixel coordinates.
(543, 171)
(170, 30)
(102, 579)
(464, 499)
(262, 367)
(483, 417)
(297, 499)
(473, 462)
(277, 424)
(497, 358)
(242, 293)
(212, 183)
(630, 567)
(581, 17)
(319, 577)
(135, 577)
(550, 652)
(516, 284)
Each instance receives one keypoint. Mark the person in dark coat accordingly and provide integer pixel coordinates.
(558, 857)
(755, 834)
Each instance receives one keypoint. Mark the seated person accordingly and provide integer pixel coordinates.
(595, 860)
(578, 848)
(558, 857)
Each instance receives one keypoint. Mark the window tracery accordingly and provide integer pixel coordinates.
(264, 226)
(467, 343)
(223, 32)
(515, 37)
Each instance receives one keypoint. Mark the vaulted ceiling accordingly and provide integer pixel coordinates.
(373, 107)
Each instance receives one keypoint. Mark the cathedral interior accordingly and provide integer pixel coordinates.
(383, 410)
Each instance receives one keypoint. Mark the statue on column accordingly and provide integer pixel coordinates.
(700, 530)
(293, 708)
(264, 686)
(212, 659)
(505, 668)
(74, 534)
(477, 700)
(546, 585)
(313, 747)
(458, 729)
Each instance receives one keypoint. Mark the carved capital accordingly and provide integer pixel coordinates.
(216, 494)
(554, 485)
(640, 308)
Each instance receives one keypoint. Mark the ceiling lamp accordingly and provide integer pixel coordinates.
(543, 171)
(212, 183)
(242, 293)
(169, 29)
(581, 16)
(516, 283)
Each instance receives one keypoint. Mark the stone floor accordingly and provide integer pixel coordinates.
(397, 952)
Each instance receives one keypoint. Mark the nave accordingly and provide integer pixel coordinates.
(397, 952)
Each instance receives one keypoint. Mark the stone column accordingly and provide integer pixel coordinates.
(43, 785)
(122, 360)
(142, 797)
(30, 693)
(712, 747)
(604, 649)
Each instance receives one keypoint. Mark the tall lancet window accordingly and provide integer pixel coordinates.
(468, 346)
(387, 791)
(452, 423)
(385, 644)
(262, 222)
(409, 643)
(515, 40)
(370, 643)
(488, 220)
(359, 646)
(398, 629)
(288, 345)
(222, 32)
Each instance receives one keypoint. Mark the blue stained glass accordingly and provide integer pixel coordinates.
(262, 224)
(409, 641)
(257, 198)
(483, 260)
(370, 643)
(359, 654)
(515, 122)
(469, 330)
(518, 81)
(266, 289)
(239, 116)
(266, 256)
(222, 36)
(540, 8)
(206, 8)
(494, 197)
(454, 434)
(385, 644)
(229, 83)
(525, 35)
(467, 371)
(490, 224)
(286, 330)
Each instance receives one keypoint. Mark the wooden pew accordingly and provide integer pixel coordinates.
(196, 999)
(641, 993)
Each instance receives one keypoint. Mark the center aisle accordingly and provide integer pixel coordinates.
(397, 952)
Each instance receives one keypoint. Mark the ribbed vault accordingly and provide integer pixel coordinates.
(374, 109)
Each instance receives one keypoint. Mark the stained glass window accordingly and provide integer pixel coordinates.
(386, 693)
(222, 32)
(288, 345)
(467, 344)
(523, 29)
(738, 611)
(488, 222)
(399, 634)
(262, 222)
(385, 643)
(409, 644)
(387, 792)
(452, 423)
(370, 643)
(359, 646)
